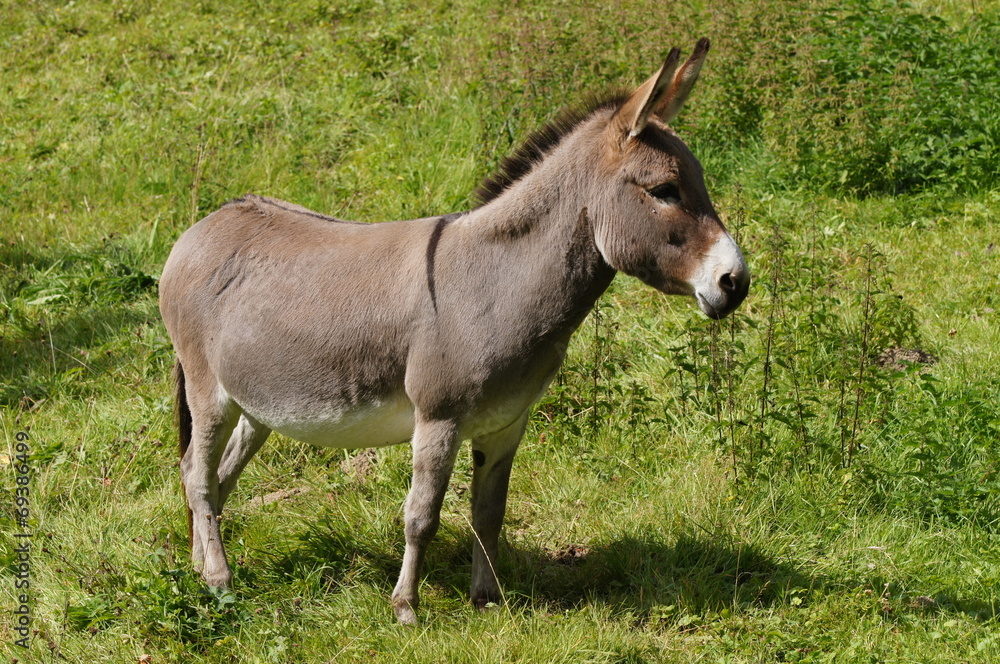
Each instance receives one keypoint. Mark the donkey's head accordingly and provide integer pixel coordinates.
(653, 218)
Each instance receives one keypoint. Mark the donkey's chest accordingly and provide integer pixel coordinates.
(505, 406)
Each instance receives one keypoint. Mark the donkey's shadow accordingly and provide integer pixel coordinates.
(696, 572)
(639, 574)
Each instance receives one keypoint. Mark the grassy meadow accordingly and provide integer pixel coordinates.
(815, 479)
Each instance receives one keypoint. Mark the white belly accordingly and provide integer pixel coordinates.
(388, 422)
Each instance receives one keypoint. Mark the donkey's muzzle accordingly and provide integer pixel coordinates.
(733, 287)
(724, 280)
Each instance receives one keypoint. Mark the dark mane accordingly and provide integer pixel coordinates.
(541, 142)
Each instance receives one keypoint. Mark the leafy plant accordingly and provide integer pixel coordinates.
(898, 101)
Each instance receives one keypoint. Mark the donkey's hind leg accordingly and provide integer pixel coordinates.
(492, 457)
(247, 438)
(212, 422)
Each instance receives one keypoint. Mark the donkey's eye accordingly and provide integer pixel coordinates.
(666, 192)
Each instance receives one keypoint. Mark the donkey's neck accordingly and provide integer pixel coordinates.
(539, 264)
(552, 192)
(584, 274)
(528, 207)
(541, 228)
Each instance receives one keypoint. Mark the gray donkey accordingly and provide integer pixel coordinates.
(432, 330)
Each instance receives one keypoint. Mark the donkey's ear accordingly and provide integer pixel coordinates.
(632, 117)
(671, 103)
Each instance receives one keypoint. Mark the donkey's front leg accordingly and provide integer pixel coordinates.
(435, 443)
(492, 456)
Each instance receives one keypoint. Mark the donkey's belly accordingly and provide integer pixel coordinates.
(388, 422)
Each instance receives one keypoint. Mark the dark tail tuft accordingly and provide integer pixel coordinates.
(184, 432)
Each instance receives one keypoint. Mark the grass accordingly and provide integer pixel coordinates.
(760, 489)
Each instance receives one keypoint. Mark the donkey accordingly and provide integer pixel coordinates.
(433, 330)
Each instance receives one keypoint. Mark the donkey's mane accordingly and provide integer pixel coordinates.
(541, 142)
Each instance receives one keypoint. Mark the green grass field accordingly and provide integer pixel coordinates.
(782, 486)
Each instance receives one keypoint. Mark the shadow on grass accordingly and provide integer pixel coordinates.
(694, 573)
(631, 574)
(58, 358)
(700, 573)
(322, 557)
(647, 578)
(69, 316)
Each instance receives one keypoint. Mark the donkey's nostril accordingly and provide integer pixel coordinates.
(727, 284)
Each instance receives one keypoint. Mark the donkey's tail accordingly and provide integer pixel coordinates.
(184, 433)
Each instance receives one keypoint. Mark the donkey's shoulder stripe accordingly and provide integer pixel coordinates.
(432, 246)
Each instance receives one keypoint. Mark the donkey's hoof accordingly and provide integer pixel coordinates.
(484, 605)
(405, 613)
(220, 579)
